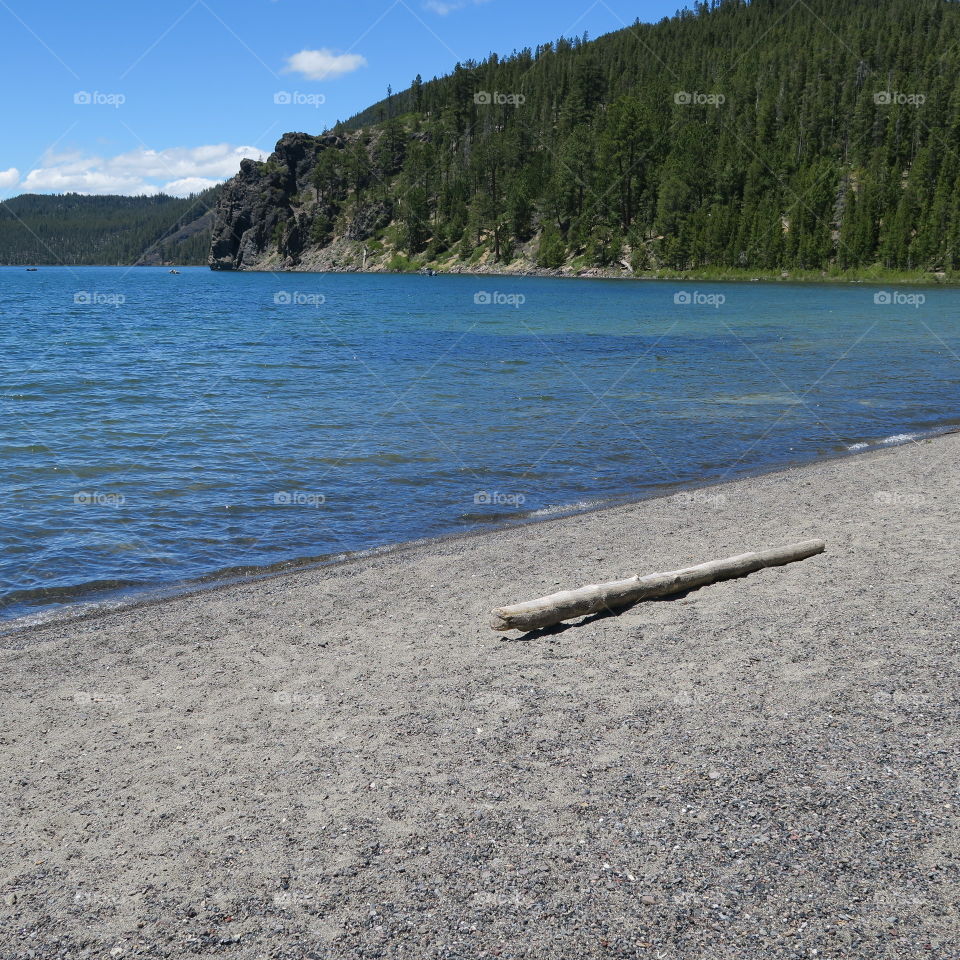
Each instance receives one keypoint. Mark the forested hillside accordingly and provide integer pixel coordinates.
(73, 229)
(822, 135)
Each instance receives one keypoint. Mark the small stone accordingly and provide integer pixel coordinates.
(10, 899)
(649, 899)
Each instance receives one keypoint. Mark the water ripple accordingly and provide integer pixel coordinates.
(200, 427)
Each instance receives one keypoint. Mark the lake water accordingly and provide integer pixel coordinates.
(157, 429)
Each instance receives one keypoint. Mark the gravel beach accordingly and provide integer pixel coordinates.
(348, 762)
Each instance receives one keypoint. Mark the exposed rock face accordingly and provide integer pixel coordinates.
(256, 212)
(367, 219)
(273, 216)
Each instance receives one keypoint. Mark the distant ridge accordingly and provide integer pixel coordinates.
(75, 230)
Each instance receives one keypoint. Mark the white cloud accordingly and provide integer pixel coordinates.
(323, 64)
(9, 178)
(188, 185)
(443, 7)
(177, 170)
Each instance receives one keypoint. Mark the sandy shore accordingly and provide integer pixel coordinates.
(347, 762)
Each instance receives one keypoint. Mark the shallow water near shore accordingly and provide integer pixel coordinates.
(158, 429)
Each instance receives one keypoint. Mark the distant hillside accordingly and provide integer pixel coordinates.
(764, 136)
(76, 230)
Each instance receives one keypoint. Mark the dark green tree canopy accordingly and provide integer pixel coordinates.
(764, 134)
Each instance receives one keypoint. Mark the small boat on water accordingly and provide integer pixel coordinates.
(177, 272)
(31, 269)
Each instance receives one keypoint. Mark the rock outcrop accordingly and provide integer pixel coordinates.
(258, 212)
(298, 210)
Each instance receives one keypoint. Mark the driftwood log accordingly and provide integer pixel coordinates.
(608, 597)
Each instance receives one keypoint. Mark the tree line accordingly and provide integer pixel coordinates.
(75, 230)
(759, 135)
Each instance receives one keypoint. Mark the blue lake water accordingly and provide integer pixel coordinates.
(156, 428)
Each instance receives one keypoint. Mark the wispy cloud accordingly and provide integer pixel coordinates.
(323, 64)
(178, 171)
(443, 7)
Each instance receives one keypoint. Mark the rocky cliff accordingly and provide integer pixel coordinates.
(257, 214)
(301, 210)
(291, 212)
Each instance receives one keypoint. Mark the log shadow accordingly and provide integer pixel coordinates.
(542, 633)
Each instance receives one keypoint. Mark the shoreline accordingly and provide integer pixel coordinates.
(666, 277)
(349, 762)
(138, 597)
(921, 278)
(693, 276)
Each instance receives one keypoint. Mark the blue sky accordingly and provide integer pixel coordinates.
(121, 96)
